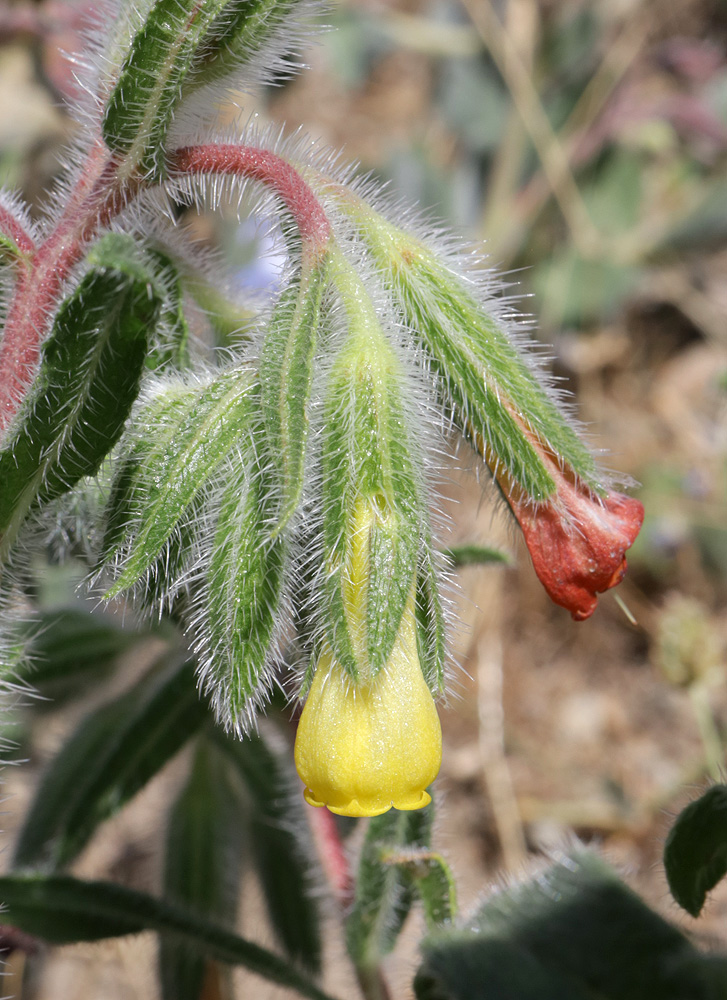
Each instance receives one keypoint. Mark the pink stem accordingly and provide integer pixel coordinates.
(261, 165)
(11, 226)
(95, 200)
(333, 856)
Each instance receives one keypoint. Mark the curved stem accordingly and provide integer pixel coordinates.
(261, 165)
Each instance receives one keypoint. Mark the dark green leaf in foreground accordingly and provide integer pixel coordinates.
(280, 842)
(695, 853)
(384, 892)
(202, 865)
(60, 909)
(88, 379)
(576, 932)
(108, 759)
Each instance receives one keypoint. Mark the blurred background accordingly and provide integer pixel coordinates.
(584, 142)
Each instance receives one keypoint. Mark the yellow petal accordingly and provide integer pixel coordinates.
(363, 748)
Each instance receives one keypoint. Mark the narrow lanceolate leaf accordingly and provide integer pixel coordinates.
(237, 36)
(202, 866)
(171, 348)
(182, 45)
(384, 892)
(141, 107)
(286, 372)
(88, 379)
(695, 853)
(107, 760)
(430, 622)
(241, 593)
(432, 879)
(176, 443)
(280, 840)
(576, 932)
(498, 398)
(372, 503)
(475, 555)
(60, 909)
(70, 648)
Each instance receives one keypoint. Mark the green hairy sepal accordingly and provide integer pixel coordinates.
(372, 500)
(174, 448)
(497, 394)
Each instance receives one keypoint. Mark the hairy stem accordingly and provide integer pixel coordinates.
(95, 200)
(261, 165)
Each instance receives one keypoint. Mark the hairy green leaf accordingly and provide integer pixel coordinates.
(286, 372)
(241, 594)
(372, 503)
(695, 853)
(202, 866)
(432, 879)
(430, 624)
(69, 648)
(280, 840)
(60, 909)
(498, 397)
(475, 555)
(114, 752)
(237, 36)
(575, 932)
(177, 442)
(171, 348)
(141, 107)
(88, 379)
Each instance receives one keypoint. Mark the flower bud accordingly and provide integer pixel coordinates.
(364, 747)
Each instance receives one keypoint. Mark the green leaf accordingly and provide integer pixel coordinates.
(114, 752)
(497, 396)
(489, 970)
(280, 840)
(238, 603)
(237, 36)
(88, 379)
(286, 373)
(181, 46)
(162, 473)
(141, 107)
(202, 865)
(371, 497)
(695, 853)
(574, 933)
(63, 910)
(384, 892)
(70, 648)
(430, 623)
(171, 349)
(475, 555)
(432, 879)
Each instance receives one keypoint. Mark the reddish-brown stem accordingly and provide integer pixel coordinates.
(94, 201)
(333, 855)
(97, 198)
(261, 165)
(11, 226)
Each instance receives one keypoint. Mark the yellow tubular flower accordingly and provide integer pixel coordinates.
(363, 748)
